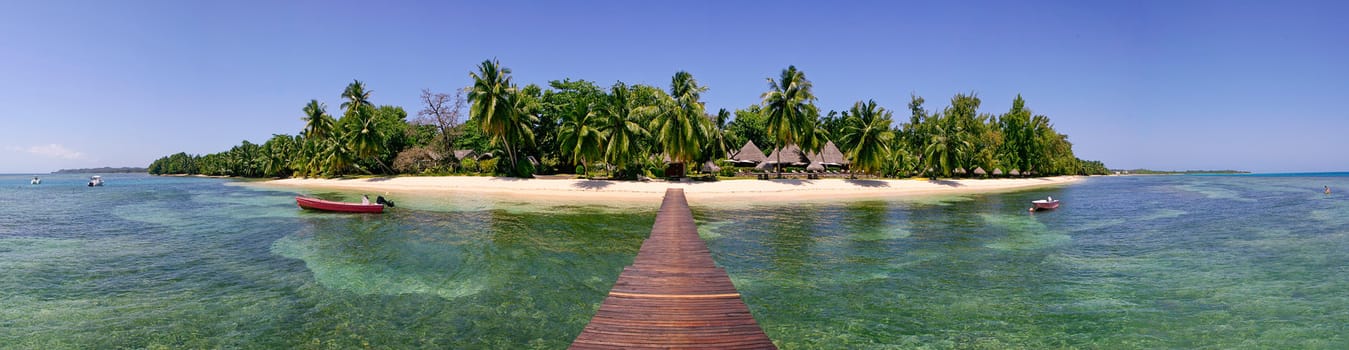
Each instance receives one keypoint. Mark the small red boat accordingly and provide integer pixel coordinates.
(1044, 204)
(344, 207)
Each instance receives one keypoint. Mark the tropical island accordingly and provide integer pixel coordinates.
(102, 170)
(577, 129)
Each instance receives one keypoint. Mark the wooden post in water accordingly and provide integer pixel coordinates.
(673, 295)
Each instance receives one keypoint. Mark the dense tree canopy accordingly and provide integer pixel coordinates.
(520, 131)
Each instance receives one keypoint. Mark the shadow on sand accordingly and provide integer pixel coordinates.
(868, 183)
(793, 182)
(592, 184)
(950, 183)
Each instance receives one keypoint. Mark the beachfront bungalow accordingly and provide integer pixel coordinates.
(748, 155)
(789, 156)
(829, 156)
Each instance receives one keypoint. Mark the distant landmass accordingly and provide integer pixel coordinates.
(103, 170)
(1174, 172)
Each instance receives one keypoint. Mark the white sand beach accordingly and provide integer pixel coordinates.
(719, 191)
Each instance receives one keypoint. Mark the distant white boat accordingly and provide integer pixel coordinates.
(95, 181)
(1044, 204)
(36, 181)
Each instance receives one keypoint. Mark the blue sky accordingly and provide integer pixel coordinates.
(1255, 85)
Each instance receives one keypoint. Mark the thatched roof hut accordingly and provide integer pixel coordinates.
(788, 156)
(830, 155)
(749, 154)
(461, 154)
(980, 171)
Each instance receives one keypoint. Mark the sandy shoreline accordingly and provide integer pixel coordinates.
(608, 191)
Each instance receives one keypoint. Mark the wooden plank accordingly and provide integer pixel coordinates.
(673, 296)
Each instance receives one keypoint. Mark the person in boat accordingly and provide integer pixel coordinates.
(365, 200)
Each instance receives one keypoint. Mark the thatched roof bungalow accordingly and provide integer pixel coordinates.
(791, 155)
(749, 154)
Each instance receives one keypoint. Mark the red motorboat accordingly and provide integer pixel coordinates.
(344, 207)
(1044, 204)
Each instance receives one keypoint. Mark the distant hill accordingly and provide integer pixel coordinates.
(1172, 172)
(103, 170)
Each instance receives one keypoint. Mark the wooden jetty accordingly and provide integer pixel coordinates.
(673, 295)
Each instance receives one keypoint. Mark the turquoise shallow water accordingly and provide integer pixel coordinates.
(1214, 262)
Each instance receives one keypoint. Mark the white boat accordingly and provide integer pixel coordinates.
(36, 181)
(95, 181)
(1044, 204)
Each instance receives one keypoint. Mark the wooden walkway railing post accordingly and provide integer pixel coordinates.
(673, 296)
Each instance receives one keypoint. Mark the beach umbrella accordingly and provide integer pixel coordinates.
(997, 172)
(980, 171)
(959, 171)
(815, 166)
(709, 167)
(1014, 172)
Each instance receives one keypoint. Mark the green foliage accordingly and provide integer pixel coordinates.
(621, 121)
(678, 124)
(468, 165)
(868, 129)
(749, 125)
(575, 123)
(501, 111)
(790, 108)
(488, 166)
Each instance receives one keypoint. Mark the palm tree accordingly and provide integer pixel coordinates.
(619, 122)
(677, 125)
(790, 107)
(946, 145)
(499, 112)
(868, 129)
(363, 140)
(356, 95)
(317, 122)
(714, 133)
(580, 139)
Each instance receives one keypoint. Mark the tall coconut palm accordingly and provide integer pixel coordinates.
(356, 95)
(580, 138)
(790, 107)
(363, 139)
(317, 123)
(715, 145)
(498, 110)
(946, 145)
(677, 127)
(868, 129)
(619, 121)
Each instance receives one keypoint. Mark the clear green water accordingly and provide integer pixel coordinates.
(1132, 262)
